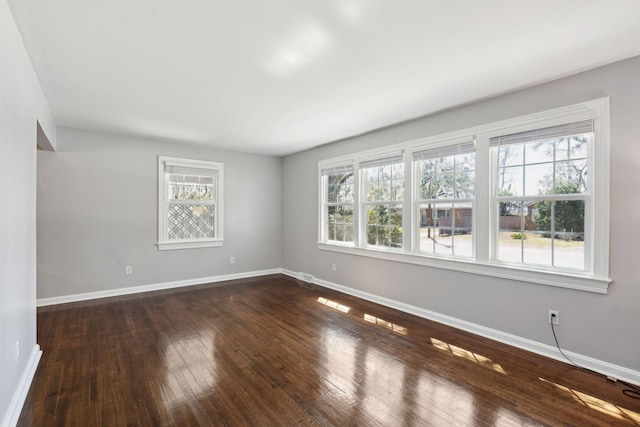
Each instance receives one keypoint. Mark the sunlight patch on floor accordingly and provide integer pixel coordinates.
(597, 404)
(469, 355)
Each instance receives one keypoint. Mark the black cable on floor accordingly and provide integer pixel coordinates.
(633, 391)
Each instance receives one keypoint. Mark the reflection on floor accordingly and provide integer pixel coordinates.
(333, 304)
(598, 404)
(469, 355)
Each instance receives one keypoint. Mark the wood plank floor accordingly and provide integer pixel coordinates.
(273, 351)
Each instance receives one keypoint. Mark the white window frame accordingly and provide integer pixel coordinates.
(441, 147)
(163, 241)
(595, 278)
(323, 190)
(364, 204)
(586, 197)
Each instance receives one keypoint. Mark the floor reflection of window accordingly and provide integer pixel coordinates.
(333, 304)
(466, 354)
(392, 326)
(598, 404)
(191, 368)
(384, 387)
(339, 351)
(439, 399)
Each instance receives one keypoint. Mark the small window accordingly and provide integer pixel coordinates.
(190, 199)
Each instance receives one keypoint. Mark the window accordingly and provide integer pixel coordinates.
(384, 187)
(542, 196)
(525, 199)
(338, 186)
(445, 197)
(190, 199)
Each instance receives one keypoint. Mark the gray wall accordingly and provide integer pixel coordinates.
(22, 103)
(97, 212)
(604, 327)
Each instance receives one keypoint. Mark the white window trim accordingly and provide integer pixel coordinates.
(163, 242)
(595, 280)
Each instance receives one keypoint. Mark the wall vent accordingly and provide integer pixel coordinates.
(305, 277)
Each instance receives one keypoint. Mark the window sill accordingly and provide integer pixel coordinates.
(188, 244)
(561, 280)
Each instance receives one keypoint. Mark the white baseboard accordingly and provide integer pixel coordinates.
(20, 395)
(605, 368)
(41, 302)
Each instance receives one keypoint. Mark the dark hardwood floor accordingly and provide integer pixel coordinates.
(273, 351)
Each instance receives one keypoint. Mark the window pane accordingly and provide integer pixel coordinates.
(510, 224)
(510, 155)
(571, 177)
(372, 234)
(339, 232)
(537, 240)
(462, 234)
(190, 187)
(384, 225)
(385, 183)
(436, 228)
(538, 179)
(333, 194)
(545, 233)
(385, 172)
(331, 223)
(190, 221)
(398, 170)
(510, 181)
(569, 234)
(465, 162)
(384, 190)
(348, 232)
(463, 243)
(444, 186)
(465, 185)
(443, 244)
(539, 152)
(398, 189)
(447, 177)
(574, 147)
(537, 249)
(340, 223)
(372, 191)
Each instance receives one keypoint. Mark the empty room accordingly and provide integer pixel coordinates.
(321, 213)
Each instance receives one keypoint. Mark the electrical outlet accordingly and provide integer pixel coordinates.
(128, 270)
(333, 267)
(17, 350)
(232, 260)
(554, 317)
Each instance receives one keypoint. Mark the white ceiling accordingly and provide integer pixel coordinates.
(281, 76)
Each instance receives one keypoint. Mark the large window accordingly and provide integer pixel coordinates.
(445, 197)
(190, 198)
(525, 199)
(542, 196)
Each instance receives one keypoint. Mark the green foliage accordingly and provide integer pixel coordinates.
(568, 215)
(518, 236)
(384, 226)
